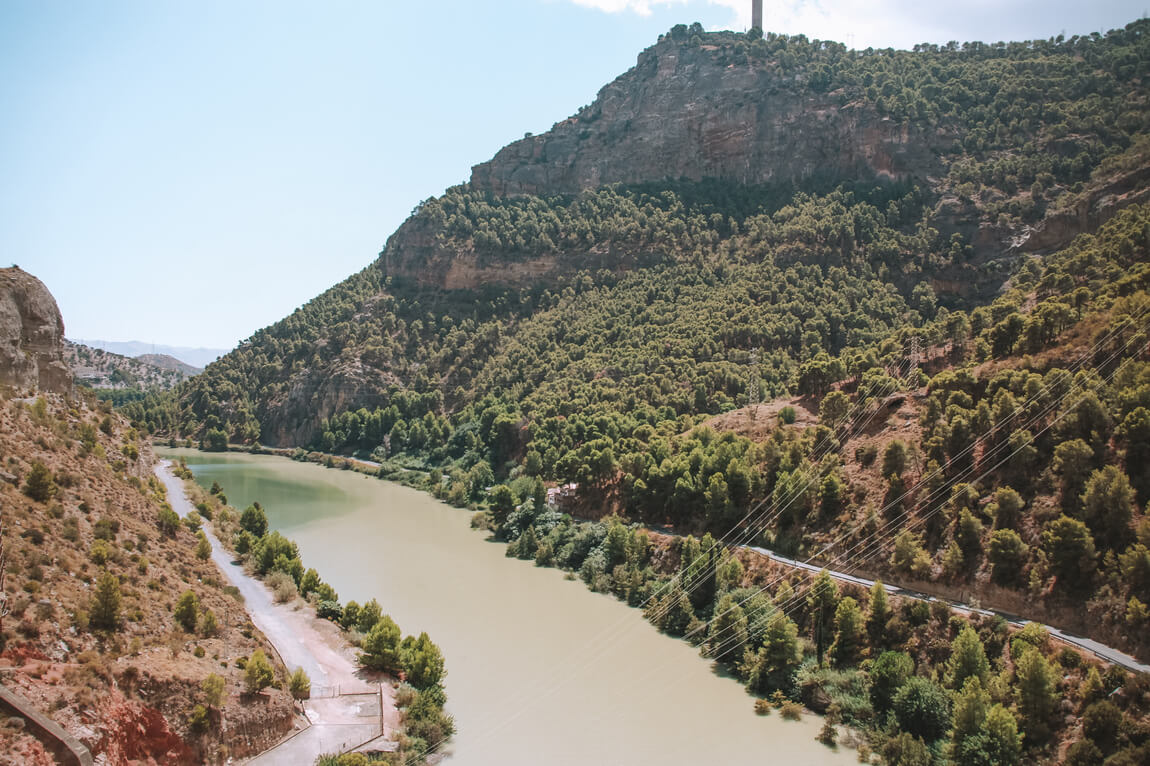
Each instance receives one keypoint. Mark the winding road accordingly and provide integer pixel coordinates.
(1099, 650)
(345, 711)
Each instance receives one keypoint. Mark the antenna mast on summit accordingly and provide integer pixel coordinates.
(757, 14)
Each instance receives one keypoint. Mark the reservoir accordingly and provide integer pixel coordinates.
(540, 669)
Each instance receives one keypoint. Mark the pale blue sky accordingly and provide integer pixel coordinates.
(188, 172)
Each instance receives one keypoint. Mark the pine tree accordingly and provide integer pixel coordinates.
(1035, 686)
(214, 687)
(106, 604)
(422, 662)
(970, 708)
(209, 626)
(299, 685)
(203, 547)
(258, 673)
(381, 647)
(967, 659)
(40, 486)
(878, 613)
(187, 611)
(848, 633)
(773, 668)
(727, 636)
(822, 599)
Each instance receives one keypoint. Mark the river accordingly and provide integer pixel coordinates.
(540, 669)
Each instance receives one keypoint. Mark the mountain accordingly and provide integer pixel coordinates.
(197, 358)
(166, 362)
(101, 369)
(931, 170)
(92, 562)
(882, 309)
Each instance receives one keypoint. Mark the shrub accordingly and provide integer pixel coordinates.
(100, 553)
(791, 711)
(209, 626)
(214, 690)
(922, 708)
(40, 485)
(105, 529)
(300, 685)
(258, 673)
(329, 610)
(187, 611)
(198, 719)
(168, 521)
(282, 585)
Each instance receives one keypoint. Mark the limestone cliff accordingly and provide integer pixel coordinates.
(682, 112)
(31, 334)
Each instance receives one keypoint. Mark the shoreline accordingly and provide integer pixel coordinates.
(919, 592)
(301, 640)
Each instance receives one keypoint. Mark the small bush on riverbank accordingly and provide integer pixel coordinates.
(791, 711)
(282, 586)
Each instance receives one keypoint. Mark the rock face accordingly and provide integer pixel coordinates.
(682, 113)
(31, 335)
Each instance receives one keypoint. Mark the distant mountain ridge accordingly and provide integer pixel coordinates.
(97, 368)
(166, 362)
(195, 357)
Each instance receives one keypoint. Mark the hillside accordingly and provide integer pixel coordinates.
(93, 567)
(168, 362)
(126, 377)
(932, 264)
(945, 219)
(125, 682)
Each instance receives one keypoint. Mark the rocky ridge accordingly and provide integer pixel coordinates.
(682, 113)
(31, 331)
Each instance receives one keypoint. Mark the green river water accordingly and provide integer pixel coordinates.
(540, 669)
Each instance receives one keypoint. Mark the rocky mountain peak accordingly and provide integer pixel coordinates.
(31, 334)
(690, 110)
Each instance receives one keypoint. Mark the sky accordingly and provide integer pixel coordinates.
(187, 172)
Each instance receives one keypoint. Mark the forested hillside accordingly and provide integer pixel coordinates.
(953, 341)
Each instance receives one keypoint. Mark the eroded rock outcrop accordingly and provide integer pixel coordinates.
(31, 335)
(682, 112)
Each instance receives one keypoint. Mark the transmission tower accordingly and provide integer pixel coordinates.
(915, 354)
(753, 388)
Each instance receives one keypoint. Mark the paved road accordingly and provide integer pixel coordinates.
(1099, 650)
(338, 723)
(258, 599)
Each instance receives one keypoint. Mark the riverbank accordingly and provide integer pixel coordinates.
(540, 668)
(302, 640)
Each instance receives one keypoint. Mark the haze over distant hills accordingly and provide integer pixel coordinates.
(196, 357)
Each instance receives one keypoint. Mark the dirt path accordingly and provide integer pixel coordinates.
(346, 710)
